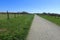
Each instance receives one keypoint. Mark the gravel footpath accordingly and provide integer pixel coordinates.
(42, 29)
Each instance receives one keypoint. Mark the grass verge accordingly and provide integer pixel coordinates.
(52, 18)
(15, 28)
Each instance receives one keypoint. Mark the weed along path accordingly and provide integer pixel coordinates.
(43, 29)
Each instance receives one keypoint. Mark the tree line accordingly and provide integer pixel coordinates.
(50, 14)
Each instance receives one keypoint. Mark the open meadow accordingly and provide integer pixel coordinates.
(16, 27)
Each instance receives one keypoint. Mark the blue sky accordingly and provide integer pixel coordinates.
(30, 5)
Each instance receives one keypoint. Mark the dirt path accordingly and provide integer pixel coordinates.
(43, 29)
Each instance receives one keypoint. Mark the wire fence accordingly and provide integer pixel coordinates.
(8, 15)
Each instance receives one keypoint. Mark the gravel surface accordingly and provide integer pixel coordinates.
(42, 29)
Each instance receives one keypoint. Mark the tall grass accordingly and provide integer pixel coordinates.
(15, 28)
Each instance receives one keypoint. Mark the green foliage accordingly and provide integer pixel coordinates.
(15, 28)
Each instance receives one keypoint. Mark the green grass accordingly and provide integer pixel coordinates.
(53, 19)
(15, 28)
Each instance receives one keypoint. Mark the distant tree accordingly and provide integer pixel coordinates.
(44, 13)
(24, 12)
(49, 13)
(58, 15)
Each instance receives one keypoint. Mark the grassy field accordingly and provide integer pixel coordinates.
(15, 28)
(52, 18)
(4, 16)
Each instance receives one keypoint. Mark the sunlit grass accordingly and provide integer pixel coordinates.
(15, 28)
(52, 18)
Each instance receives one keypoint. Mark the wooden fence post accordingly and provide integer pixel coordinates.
(14, 15)
(7, 15)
